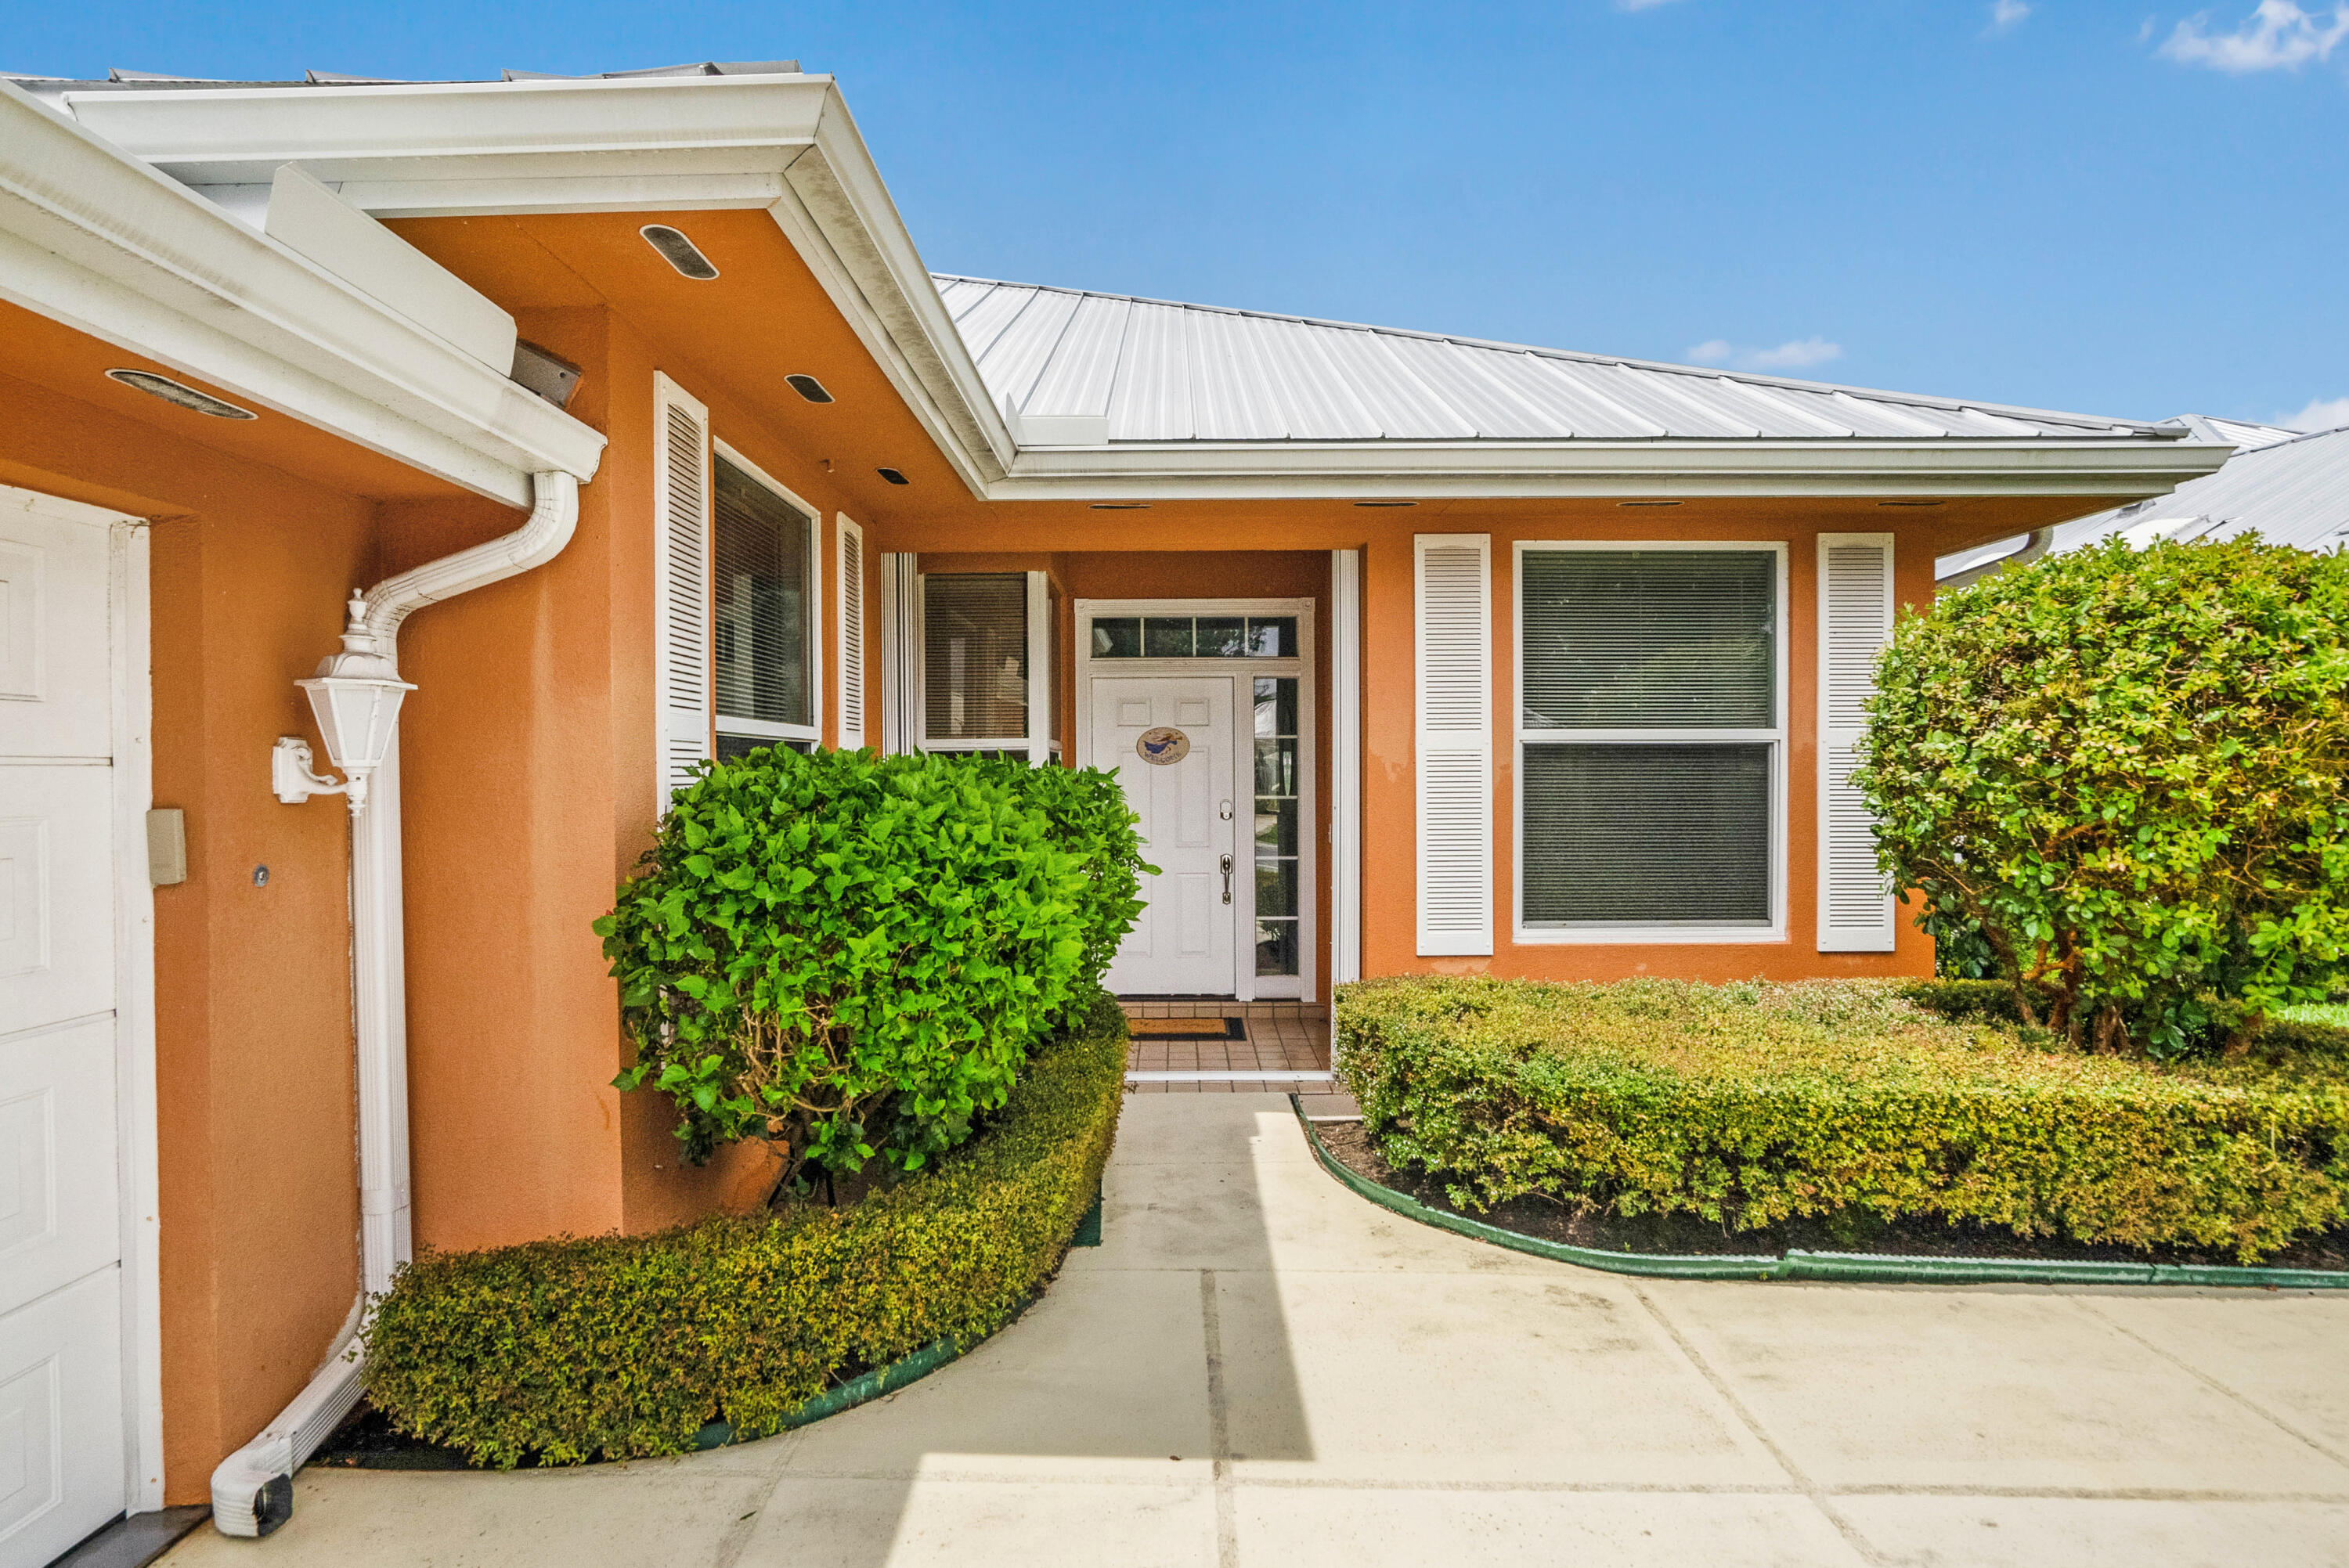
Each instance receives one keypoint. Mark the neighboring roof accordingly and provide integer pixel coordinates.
(2292, 489)
(1149, 370)
(152, 80)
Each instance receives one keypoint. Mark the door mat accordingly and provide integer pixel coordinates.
(1187, 1029)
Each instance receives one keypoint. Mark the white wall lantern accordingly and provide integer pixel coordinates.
(355, 696)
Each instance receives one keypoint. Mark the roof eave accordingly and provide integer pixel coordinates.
(99, 242)
(1631, 469)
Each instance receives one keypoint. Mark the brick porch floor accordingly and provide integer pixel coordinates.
(1282, 1036)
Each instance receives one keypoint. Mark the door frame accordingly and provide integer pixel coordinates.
(131, 721)
(1246, 985)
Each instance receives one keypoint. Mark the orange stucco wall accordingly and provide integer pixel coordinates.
(258, 1177)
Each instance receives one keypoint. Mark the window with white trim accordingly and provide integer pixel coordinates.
(764, 616)
(1652, 740)
(987, 662)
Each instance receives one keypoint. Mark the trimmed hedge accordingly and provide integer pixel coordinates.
(1749, 1104)
(627, 1346)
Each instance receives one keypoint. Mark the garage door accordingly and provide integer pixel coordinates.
(62, 1457)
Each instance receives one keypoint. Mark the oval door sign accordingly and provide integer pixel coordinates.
(1162, 746)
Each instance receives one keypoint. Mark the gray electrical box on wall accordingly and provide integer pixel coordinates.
(166, 846)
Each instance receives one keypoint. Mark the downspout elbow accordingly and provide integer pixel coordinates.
(554, 517)
(2036, 544)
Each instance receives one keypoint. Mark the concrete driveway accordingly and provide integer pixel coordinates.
(1257, 1367)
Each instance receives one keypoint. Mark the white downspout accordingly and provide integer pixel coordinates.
(252, 1489)
(2034, 545)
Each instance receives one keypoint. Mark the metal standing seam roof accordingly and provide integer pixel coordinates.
(1164, 372)
(2292, 489)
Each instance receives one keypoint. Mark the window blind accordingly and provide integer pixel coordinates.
(974, 656)
(1452, 608)
(759, 568)
(1650, 639)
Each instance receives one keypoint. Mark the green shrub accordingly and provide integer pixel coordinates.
(2130, 773)
(627, 1346)
(850, 955)
(1756, 1103)
(1086, 812)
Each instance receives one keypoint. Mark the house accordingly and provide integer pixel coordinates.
(2290, 488)
(635, 394)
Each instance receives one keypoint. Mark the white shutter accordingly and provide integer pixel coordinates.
(851, 662)
(1856, 911)
(901, 652)
(680, 584)
(1346, 765)
(1453, 613)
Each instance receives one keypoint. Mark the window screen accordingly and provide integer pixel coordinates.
(1633, 835)
(975, 658)
(1682, 644)
(1650, 639)
(759, 571)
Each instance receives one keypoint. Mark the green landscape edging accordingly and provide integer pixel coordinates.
(1850, 1268)
(858, 1390)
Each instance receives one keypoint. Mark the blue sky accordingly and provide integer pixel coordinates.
(2112, 208)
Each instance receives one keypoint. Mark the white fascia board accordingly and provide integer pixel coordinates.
(841, 191)
(410, 130)
(97, 240)
(1593, 469)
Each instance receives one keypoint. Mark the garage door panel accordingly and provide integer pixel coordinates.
(58, 1208)
(61, 1453)
(55, 671)
(56, 894)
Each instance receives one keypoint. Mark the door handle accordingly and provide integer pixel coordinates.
(1227, 879)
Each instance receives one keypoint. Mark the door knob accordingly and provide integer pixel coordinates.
(1224, 811)
(1227, 879)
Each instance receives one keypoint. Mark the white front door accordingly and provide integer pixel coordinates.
(1183, 789)
(62, 1459)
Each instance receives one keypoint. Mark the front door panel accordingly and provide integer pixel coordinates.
(1183, 944)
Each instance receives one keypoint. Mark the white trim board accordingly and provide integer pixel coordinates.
(1247, 1075)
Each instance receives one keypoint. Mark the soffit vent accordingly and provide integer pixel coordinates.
(678, 251)
(179, 393)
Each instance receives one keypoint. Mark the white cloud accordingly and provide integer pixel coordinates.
(2006, 16)
(1799, 355)
(2278, 35)
(2322, 414)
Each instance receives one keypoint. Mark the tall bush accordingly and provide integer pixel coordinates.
(2126, 771)
(850, 955)
(1086, 812)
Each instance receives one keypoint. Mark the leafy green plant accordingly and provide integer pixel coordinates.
(1086, 811)
(566, 1349)
(1750, 1104)
(2123, 775)
(851, 955)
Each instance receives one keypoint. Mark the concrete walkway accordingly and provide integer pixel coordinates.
(1257, 1367)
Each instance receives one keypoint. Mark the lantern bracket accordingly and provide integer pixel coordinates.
(293, 780)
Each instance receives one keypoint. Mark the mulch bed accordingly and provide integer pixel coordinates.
(1691, 1236)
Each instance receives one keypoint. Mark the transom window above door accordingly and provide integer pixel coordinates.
(1652, 740)
(1195, 637)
